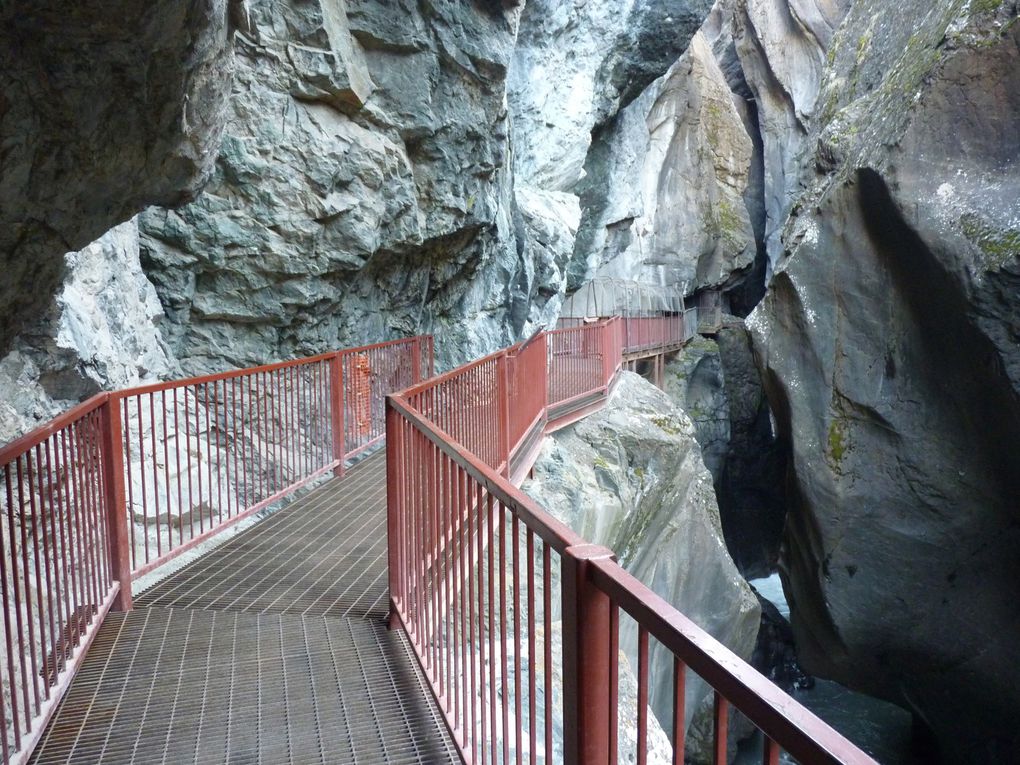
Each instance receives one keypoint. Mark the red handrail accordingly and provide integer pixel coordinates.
(480, 575)
(127, 480)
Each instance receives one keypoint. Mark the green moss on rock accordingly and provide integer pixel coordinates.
(669, 425)
(838, 444)
(1000, 246)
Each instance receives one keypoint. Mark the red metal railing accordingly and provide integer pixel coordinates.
(528, 397)
(128, 480)
(58, 551)
(647, 334)
(483, 579)
(207, 452)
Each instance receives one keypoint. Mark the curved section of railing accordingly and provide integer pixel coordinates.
(514, 618)
(130, 479)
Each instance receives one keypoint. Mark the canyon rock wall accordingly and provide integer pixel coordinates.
(888, 343)
(104, 109)
(392, 168)
(97, 334)
(716, 383)
(362, 192)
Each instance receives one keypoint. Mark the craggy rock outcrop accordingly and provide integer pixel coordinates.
(576, 64)
(694, 380)
(104, 109)
(718, 386)
(889, 345)
(362, 191)
(581, 70)
(97, 334)
(663, 199)
(631, 477)
(777, 50)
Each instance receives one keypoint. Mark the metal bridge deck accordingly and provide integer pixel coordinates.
(268, 650)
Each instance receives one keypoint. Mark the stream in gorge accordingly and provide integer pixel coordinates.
(881, 729)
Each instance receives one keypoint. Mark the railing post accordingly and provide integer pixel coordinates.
(336, 411)
(416, 375)
(545, 379)
(117, 532)
(394, 482)
(587, 697)
(503, 408)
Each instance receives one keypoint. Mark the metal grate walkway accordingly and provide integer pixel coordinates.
(268, 650)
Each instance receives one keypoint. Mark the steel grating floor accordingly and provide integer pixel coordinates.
(268, 650)
(324, 555)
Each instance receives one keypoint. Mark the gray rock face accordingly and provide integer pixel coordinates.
(718, 386)
(576, 64)
(695, 381)
(631, 477)
(782, 48)
(97, 334)
(888, 341)
(664, 196)
(362, 190)
(104, 109)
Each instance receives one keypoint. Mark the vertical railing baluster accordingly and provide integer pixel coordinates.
(337, 399)
(720, 719)
(679, 709)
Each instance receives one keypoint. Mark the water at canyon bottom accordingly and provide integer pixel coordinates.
(879, 728)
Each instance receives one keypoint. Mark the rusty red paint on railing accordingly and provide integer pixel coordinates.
(127, 480)
(482, 622)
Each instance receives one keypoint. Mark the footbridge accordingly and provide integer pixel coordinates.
(407, 604)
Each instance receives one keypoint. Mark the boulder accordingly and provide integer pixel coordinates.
(888, 344)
